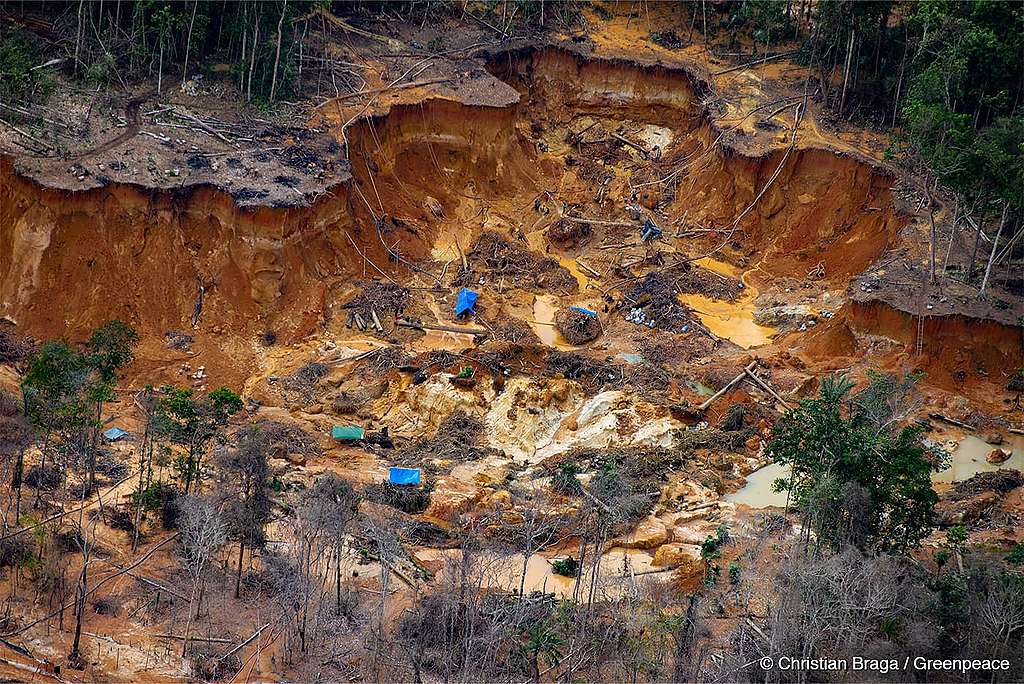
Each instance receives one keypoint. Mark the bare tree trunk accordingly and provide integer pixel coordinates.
(995, 247)
(245, 46)
(252, 60)
(94, 447)
(974, 252)
(19, 469)
(78, 33)
(899, 83)
(337, 578)
(160, 71)
(277, 54)
(138, 494)
(238, 577)
(932, 237)
(188, 44)
(846, 71)
(83, 589)
(704, 12)
(188, 622)
(952, 235)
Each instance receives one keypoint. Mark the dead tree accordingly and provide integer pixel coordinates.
(203, 533)
(331, 506)
(15, 437)
(995, 248)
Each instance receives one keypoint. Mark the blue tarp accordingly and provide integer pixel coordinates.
(404, 476)
(465, 300)
(649, 231)
(114, 434)
(592, 314)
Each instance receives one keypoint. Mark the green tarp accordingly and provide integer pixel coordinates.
(347, 433)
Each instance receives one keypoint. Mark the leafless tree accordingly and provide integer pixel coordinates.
(15, 437)
(329, 508)
(203, 533)
(246, 484)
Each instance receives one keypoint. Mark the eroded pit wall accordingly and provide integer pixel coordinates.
(68, 261)
(955, 349)
(71, 260)
(820, 206)
(437, 150)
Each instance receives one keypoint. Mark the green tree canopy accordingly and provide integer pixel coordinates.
(859, 474)
(192, 423)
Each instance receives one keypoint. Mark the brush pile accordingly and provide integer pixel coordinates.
(375, 304)
(577, 326)
(459, 438)
(499, 257)
(654, 302)
(567, 232)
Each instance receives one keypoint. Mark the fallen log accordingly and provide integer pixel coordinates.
(727, 387)
(245, 643)
(766, 387)
(588, 269)
(179, 637)
(402, 323)
(754, 63)
(636, 146)
(951, 421)
(600, 222)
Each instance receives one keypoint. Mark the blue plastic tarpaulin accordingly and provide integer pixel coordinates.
(592, 314)
(114, 434)
(649, 231)
(465, 300)
(404, 476)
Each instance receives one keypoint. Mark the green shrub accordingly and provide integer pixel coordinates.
(17, 79)
(1017, 555)
(567, 567)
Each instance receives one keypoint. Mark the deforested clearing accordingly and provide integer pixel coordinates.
(511, 341)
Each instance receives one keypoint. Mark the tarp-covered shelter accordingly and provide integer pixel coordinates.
(404, 476)
(115, 433)
(347, 433)
(465, 300)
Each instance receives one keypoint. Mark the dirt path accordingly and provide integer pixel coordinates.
(131, 112)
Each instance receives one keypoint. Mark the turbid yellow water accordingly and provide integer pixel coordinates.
(543, 322)
(969, 459)
(733, 320)
(757, 493)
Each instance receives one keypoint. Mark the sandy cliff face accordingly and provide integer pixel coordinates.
(70, 260)
(956, 350)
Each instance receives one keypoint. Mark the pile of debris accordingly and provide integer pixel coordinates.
(592, 373)
(13, 347)
(459, 438)
(975, 500)
(279, 439)
(515, 331)
(654, 302)
(696, 280)
(302, 384)
(380, 361)
(497, 256)
(568, 232)
(577, 325)
(375, 303)
(178, 340)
